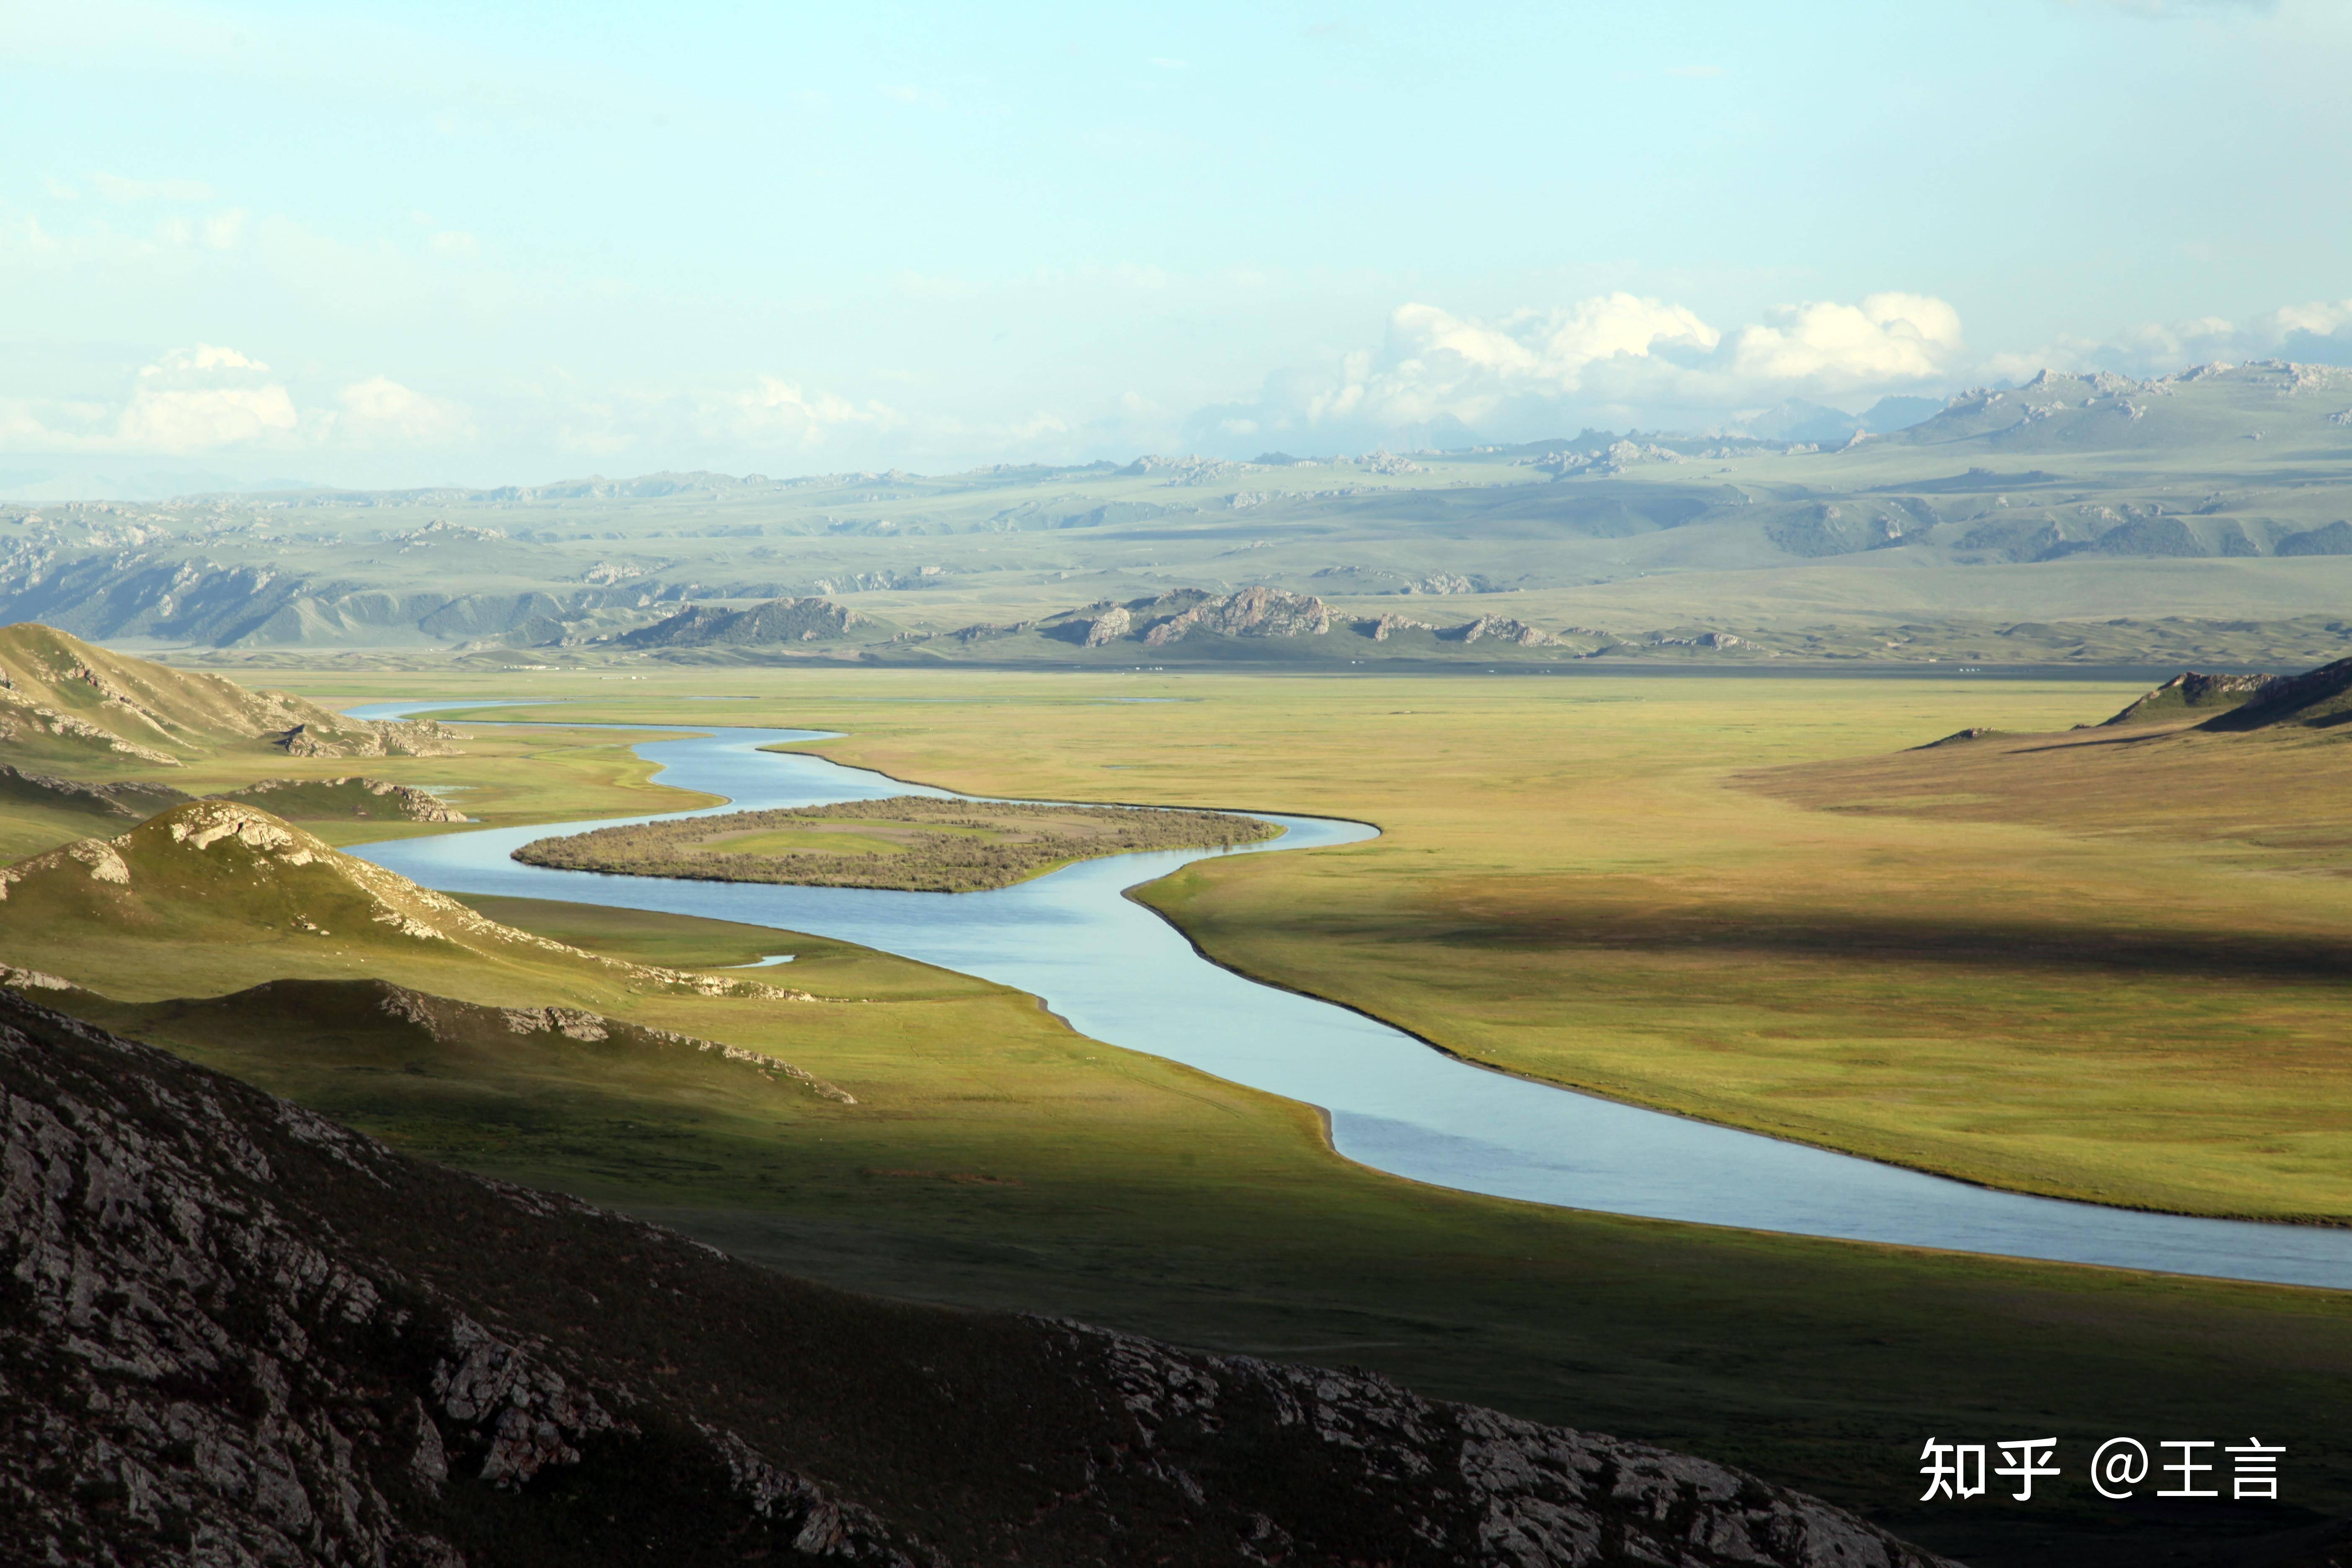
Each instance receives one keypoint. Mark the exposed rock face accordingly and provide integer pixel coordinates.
(1251, 613)
(371, 738)
(1109, 626)
(1387, 626)
(2317, 698)
(240, 1334)
(205, 1372)
(1504, 629)
(777, 621)
(296, 799)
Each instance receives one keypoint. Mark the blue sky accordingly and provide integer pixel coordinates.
(486, 243)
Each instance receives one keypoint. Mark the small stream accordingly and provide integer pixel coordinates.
(1120, 973)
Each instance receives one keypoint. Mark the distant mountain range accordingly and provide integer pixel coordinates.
(2080, 479)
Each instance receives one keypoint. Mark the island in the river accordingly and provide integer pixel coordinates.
(909, 843)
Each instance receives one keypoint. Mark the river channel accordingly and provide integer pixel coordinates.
(1119, 974)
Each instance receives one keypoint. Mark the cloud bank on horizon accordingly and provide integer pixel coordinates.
(425, 246)
(1437, 379)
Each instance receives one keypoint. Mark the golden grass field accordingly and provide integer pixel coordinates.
(1678, 890)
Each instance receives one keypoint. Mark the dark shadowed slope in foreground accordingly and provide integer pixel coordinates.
(237, 1333)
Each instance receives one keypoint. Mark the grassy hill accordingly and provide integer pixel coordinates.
(215, 895)
(70, 704)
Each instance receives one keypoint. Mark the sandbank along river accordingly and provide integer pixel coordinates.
(1121, 974)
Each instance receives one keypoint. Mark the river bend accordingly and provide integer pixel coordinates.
(1121, 974)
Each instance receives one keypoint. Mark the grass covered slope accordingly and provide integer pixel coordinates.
(214, 895)
(71, 704)
(913, 843)
(992, 1158)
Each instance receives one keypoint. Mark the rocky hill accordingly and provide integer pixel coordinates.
(2190, 692)
(239, 1334)
(66, 701)
(344, 799)
(2316, 700)
(798, 620)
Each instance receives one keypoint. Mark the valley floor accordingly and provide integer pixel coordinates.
(1596, 881)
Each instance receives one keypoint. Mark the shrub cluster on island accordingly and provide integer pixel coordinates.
(908, 843)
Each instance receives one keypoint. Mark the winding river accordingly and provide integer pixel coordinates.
(1119, 974)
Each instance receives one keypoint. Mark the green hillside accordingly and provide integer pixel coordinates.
(215, 895)
(70, 704)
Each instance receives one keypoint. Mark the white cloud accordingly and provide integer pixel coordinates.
(1886, 339)
(379, 411)
(777, 407)
(2319, 330)
(1436, 364)
(180, 420)
(115, 188)
(452, 242)
(1613, 358)
(203, 356)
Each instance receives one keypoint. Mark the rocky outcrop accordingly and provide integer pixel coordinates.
(1109, 626)
(2317, 698)
(1502, 629)
(370, 738)
(1252, 612)
(203, 1369)
(777, 621)
(1386, 627)
(240, 1334)
(319, 799)
(2191, 691)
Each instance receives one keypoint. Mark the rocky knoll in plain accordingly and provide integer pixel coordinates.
(238, 1334)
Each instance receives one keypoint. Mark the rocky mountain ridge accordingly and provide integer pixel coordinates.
(2217, 464)
(241, 1334)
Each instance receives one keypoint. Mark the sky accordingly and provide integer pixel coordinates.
(400, 244)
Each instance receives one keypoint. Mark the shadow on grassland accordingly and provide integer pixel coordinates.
(1956, 942)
